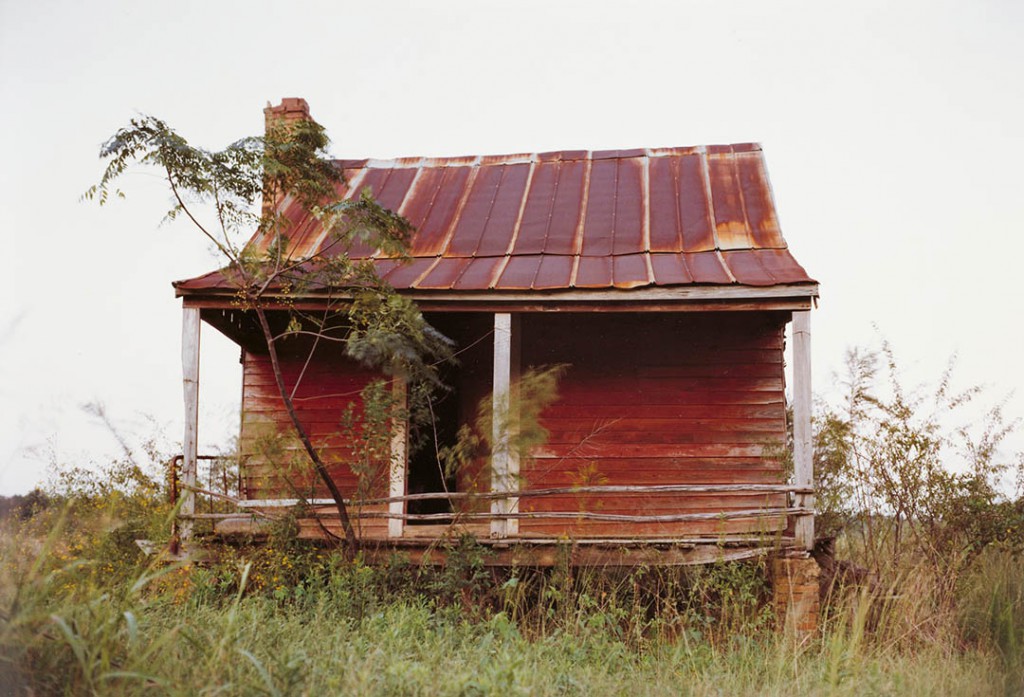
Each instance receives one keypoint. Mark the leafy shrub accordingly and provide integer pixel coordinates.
(907, 474)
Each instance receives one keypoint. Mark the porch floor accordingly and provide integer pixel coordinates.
(430, 544)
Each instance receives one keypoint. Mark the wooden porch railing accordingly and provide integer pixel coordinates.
(259, 507)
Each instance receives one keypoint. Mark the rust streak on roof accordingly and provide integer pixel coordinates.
(623, 219)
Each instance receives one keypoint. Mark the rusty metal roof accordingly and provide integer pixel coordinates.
(569, 220)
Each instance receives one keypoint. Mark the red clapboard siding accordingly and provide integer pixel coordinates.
(276, 465)
(646, 400)
(650, 399)
(593, 528)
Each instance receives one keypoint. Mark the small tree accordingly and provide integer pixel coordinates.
(218, 192)
(911, 471)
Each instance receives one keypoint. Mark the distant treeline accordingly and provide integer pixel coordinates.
(23, 505)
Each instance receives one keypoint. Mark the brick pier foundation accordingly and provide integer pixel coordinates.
(795, 595)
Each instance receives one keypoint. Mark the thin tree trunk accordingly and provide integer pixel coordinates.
(318, 465)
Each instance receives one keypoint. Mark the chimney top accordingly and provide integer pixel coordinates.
(290, 109)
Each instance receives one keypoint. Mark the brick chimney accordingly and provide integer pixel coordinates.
(290, 109)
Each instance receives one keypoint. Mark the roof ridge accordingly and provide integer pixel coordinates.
(549, 156)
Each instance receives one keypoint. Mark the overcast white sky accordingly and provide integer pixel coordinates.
(894, 135)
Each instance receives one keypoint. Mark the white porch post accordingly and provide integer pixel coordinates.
(504, 458)
(190, 387)
(399, 458)
(803, 449)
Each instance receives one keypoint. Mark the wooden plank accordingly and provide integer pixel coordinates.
(190, 330)
(714, 424)
(598, 442)
(375, 512)
(714, 369)
(672, 468)
(597, 439)
(803, 448)
(266, 410)
(659, 386)
(583, 529)
(704, 398)
(260, 374)
(612, 502)
(647, 450)
(656, 474)
(210, 298)
(736, 532)
(483, 305)
(561, 410)
(546, 338)
(620, 307)
(690, 490)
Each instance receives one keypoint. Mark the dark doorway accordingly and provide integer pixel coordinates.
(467, 382)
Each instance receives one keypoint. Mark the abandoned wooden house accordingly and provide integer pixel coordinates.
(660, 277)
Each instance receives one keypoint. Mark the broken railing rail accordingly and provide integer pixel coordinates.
(554, 491)
(588, 515)
(254, 506)
(174, 487)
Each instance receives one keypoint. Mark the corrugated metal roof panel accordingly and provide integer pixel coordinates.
(748, 269)
(501, 221)
(781, 265)
(630, 271)
(406, 275)
(519, 273)
(693, 189)
(555, 272)
(564, 219)
(385, 266)
(472, 223)
(663, 204)
(479, 273)
(707, 268)
(594, 272)
(394, 189)
(630, 200)
(444, 274)
(536, 210)
(599, 227)
(670, 270)
(436, 201)
(730, 220)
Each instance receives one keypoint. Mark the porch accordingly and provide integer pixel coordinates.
(679, 510)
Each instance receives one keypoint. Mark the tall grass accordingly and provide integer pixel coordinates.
(83, 611)
(283, 619)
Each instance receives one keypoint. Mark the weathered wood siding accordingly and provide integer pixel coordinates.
(647, 399)
(658, 399)
(275, 464)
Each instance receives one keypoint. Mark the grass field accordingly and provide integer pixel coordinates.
(84, 614)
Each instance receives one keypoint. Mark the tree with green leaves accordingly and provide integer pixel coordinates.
(230, 194)
(911, 473)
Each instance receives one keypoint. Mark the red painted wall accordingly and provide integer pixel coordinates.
(329, 385)
(647, 399)
(658, 399)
